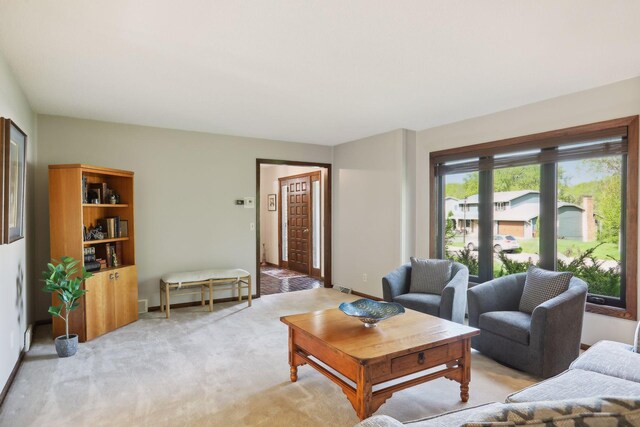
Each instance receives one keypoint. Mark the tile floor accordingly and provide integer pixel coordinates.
(273, 285)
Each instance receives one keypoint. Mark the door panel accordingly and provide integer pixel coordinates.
(126, 295)
(100, 316)
(299, 224)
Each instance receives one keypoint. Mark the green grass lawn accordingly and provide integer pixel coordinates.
(606, 251)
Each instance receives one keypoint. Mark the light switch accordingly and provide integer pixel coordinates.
(249, 202)
(252, 226)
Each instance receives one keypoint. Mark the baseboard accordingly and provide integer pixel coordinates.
(42, 322)
(12, 376)
(360, 294)
(195, 303)
(270, 264)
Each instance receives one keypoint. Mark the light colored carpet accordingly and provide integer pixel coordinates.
(226, 368)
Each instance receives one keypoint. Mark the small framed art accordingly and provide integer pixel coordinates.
(14, 165)
(272, 202)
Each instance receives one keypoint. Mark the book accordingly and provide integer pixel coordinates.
(109, 227)
(124, 228)
(109, 250)
(85, 190)
(100, 189)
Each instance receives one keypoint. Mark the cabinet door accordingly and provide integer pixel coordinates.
(126, 295)
(99, 308)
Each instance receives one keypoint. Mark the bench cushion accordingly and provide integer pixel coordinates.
(203, 275)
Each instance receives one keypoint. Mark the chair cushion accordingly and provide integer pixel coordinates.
(595, 411)
(513, 325)
(426, 303)
(576, 383)
(429, 276)
(542, 285)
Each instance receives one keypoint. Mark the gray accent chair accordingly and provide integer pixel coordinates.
(451, 305)
(543, 343)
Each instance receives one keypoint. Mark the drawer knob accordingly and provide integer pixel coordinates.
(111, 276)
(117, 276)
(421, 358)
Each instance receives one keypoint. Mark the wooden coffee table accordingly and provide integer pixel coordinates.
(397, 347)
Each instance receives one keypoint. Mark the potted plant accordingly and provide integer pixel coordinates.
(59, 279)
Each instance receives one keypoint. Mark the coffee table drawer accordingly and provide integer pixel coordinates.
(425, 359)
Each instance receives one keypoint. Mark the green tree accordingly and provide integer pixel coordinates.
(607, 197)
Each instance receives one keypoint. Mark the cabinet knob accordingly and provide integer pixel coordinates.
(111, 276)
(117, 276)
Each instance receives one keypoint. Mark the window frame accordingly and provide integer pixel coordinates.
(542, 141)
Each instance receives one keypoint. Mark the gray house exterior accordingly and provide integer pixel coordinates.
(517, 213)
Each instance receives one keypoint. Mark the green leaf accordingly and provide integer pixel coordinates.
(56, 310)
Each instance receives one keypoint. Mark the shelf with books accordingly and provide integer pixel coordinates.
(97, 242)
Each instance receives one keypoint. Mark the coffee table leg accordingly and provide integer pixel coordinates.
(293, 371)
(364, 394)
(466, 371)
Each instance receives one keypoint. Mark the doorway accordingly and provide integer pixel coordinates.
(293, 245)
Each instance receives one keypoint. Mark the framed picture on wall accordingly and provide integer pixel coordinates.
(14, 149)
(272, 202)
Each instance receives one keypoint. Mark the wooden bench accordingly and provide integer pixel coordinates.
(186, 283)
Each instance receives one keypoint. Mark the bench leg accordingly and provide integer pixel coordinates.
(210, 296)
(239, 283)
(167, 301)
(202, 295)
(249, 292)
(161, 306)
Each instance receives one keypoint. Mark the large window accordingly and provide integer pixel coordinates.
(563, 200)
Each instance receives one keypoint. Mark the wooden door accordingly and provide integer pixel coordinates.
(299, 224)
(126, 295)
(99, 307)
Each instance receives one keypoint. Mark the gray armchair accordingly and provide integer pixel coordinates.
(451, 305)
(543, 343)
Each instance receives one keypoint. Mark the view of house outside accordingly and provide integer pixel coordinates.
(588, 220)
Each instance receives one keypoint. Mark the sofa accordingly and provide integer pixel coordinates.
(450, 305)
(604, 380)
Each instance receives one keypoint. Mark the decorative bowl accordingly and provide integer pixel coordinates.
(371, 312)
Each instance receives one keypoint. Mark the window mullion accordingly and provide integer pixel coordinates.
(440, 217)
(485, 217)
(548, 215)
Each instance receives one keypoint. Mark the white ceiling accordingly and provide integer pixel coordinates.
(315, 71)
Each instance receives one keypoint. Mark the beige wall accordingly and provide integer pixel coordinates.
(16, 269)
(269, 184)
(185, 187)
(608, 102)
(371, 209)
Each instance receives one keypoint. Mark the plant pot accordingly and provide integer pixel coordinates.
(66, 347)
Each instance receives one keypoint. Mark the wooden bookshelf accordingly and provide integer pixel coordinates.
(112, 297)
